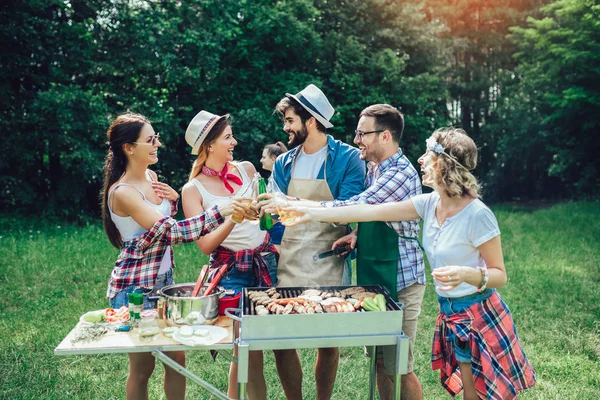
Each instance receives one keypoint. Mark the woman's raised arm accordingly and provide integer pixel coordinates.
(388, 212)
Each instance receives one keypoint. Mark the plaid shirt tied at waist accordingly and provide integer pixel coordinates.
(140, 258)
(246, 260)
(500, 368)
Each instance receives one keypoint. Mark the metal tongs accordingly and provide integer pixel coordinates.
(334, 252)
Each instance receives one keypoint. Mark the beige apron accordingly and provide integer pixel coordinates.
(299, 243)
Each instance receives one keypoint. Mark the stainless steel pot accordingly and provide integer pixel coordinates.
(179, 304)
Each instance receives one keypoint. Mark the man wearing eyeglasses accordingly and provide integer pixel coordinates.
(388, 253)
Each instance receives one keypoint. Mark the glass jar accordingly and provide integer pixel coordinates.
(148, 328)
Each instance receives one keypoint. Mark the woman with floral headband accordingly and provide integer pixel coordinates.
(475, 345)
(247, 251)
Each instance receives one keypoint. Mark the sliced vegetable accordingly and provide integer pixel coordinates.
(380, 301)
(369, 304)
(120, 315)
(94, 316)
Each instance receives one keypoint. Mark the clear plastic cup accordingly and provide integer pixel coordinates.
(282, 202)
(239, 217)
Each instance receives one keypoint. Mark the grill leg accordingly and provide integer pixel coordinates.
(397, 386)
(401, 364)
(372, 372)
(243, 356)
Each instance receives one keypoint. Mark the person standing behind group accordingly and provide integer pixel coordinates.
(388, 255)
(269, 155)
(136, 212)
(317, 168)
(252, 259)
(475, 345)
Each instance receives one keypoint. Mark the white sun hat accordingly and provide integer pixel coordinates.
(198, 129)
(314, 101)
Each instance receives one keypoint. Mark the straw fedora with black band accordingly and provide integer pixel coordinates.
(198, 129)
(314, 101)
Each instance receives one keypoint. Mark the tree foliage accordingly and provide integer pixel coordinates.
(479, 74)
(72, 66)
(559, 56)
(69, 67)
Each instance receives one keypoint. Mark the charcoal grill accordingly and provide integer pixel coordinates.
(296, 331)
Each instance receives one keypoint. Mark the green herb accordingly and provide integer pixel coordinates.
(87, 333)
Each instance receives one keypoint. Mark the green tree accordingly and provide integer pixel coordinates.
(480, 73)
(46, 162)
(559, 58)
(70, 67)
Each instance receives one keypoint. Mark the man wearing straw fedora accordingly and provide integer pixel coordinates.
(318, 168)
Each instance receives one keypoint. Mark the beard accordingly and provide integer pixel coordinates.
(374, 154)
(299, 137)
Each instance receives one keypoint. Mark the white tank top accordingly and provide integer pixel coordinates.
(246, 235)
(130, 229)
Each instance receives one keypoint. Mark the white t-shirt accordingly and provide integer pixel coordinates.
(308, 165)
(456, 241)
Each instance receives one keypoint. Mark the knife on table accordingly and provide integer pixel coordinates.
(334, 252)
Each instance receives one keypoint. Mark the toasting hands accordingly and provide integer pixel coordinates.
(238, 206)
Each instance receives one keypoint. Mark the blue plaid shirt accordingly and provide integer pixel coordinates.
(395, 179)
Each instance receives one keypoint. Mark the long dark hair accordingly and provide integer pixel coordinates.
(125, 129)
(275, 149)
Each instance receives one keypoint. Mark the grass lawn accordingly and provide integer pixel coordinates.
(52, 274)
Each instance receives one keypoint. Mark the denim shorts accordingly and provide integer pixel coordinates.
(237, 280)
(450, 306)
(121, 298)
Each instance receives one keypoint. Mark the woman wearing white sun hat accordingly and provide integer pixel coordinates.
(216, 179)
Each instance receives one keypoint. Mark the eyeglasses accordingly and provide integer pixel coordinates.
(360, 135)
(152, 141)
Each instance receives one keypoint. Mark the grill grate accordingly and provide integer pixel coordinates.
(288, 292)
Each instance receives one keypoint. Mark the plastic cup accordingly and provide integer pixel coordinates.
(239, 217)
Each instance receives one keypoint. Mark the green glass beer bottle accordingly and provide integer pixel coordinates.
(266, 222)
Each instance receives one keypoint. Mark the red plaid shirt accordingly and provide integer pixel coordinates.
(500, 368)
(246, 260)
(140, 258)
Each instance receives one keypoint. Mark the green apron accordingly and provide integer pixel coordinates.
(377, 256)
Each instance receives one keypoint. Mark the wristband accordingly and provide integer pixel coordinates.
(485, 277)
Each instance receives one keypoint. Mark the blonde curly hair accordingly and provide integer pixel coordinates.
(456, 162)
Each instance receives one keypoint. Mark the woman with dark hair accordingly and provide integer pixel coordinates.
(241, 245)
(269, 155)
(137, 213)
(475, 346)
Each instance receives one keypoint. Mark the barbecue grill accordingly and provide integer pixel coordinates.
(342, 329)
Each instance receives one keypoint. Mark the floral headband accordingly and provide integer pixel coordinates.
(434, 146)
(438, 149)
